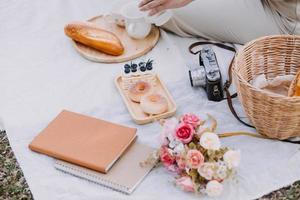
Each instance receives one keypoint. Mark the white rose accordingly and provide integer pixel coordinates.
(179, 148)
(173, 143)
(210, 141)
(214, 188)
(207, 170)
(232, 158)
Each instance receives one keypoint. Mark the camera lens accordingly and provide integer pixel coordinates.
(197, 77)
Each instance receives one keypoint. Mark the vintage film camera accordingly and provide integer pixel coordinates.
(208, 75)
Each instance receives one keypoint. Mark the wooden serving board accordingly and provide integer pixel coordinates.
(134, 108)
(133, 48)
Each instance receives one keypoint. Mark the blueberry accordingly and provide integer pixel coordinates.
(134, 69)
(142, 64)
(127, 70)
(127, 66)
(149, 67)
(143, 68)
(133, 66)
(149, 64)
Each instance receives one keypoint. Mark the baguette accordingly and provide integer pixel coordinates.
(294, 90)
(89, 34)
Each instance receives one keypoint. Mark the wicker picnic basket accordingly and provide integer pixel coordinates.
(273, 115)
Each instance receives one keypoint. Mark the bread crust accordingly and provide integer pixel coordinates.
(294, 89)
(89, 34)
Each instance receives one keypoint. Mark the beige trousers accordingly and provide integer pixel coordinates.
(237, 21)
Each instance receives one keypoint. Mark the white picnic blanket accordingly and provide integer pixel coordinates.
(41, 74)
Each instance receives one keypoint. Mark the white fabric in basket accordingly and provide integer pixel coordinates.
(41, 74)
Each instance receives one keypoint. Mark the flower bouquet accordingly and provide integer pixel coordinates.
(191, 149)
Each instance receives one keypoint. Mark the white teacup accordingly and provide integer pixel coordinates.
(136, 25)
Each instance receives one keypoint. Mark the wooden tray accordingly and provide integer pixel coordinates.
(133, 48)
(134, 108)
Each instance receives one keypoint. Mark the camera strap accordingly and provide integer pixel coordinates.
(228, 82)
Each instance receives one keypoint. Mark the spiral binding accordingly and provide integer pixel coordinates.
(93, 178)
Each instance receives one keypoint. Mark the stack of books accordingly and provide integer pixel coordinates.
(93, 149)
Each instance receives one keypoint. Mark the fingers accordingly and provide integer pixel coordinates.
(144, 2)
(157, 10)
(151, 5)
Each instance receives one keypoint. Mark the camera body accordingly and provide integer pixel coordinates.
(208, 75)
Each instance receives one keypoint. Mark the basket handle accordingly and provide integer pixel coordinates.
(228, 82)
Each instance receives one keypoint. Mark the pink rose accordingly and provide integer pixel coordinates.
(191, 119)
(184, 133)
(185, 183)
(181, 162)
(166, 157)
(195, 159)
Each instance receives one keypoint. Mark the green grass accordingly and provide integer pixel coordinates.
(13, 185)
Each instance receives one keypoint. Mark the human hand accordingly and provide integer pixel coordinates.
(156, 6)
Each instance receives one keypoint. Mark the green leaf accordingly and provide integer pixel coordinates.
(192, 145)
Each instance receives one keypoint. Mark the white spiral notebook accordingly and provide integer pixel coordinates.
(124, 176)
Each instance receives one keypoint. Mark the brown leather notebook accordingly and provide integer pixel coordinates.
(83, 140)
